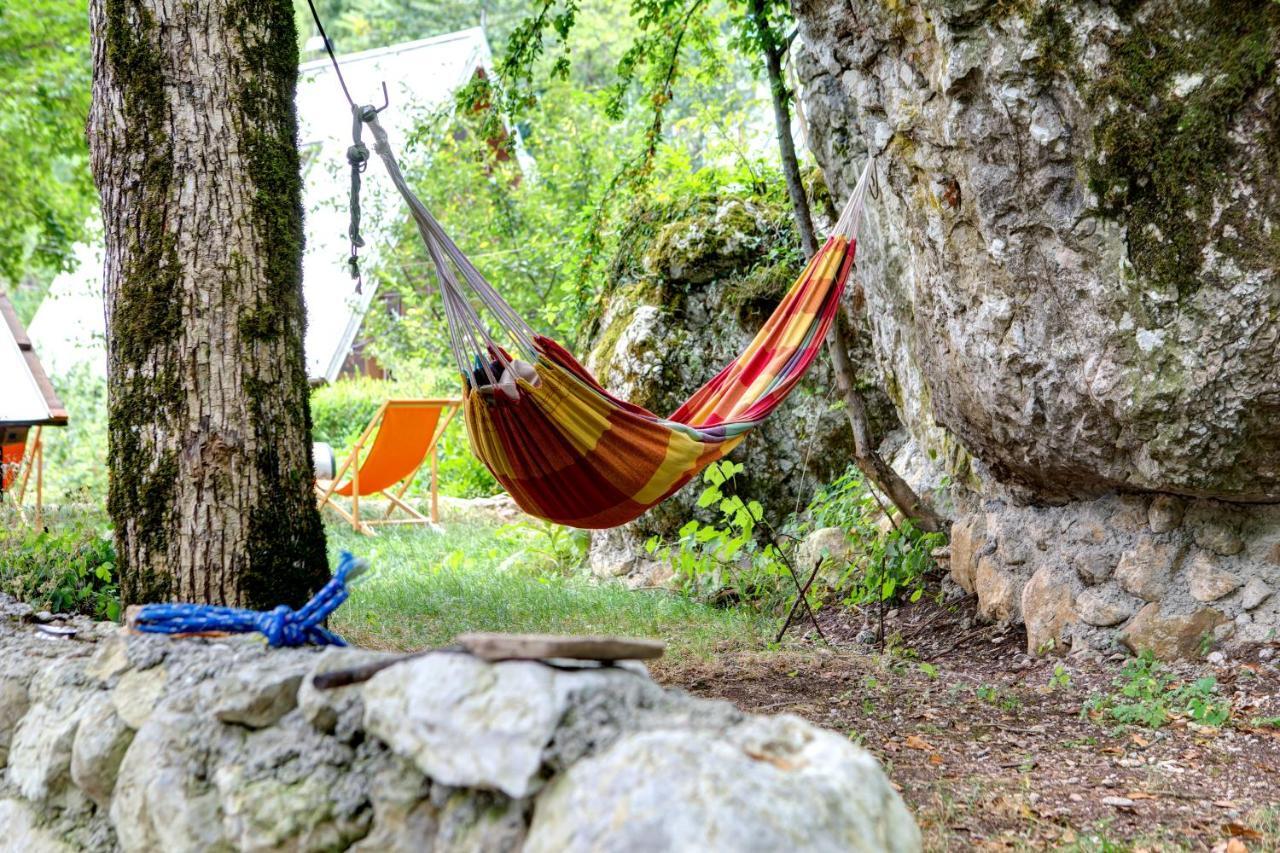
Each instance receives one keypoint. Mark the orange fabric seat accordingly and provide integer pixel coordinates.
(399, 439)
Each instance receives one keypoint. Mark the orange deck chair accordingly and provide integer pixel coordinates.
(406, 432)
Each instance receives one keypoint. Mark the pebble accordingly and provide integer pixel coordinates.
(1118, 802)
(1216, 658)
(1266, 653)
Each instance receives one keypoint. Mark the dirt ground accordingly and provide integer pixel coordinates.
(991, 750)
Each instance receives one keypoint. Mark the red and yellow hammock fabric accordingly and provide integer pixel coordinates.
(570, 452)
(566, 449)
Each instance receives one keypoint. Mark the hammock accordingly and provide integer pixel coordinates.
(566, 449)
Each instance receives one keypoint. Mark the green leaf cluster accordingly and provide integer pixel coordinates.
(890, 564)
(45, 70)
(1147, 694)
(727, 560)
(69, 568)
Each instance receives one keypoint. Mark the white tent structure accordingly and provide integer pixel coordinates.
(69, 327)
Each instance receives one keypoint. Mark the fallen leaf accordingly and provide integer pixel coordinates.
(917, 742)
(1225, 804)
(1235, 845)
(1140, 795)
(935, 759)
(1239, 830)
(1140, 740)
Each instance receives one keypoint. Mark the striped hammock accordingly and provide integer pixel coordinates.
(566, 449)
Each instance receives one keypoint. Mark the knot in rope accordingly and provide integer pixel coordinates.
(282, 626)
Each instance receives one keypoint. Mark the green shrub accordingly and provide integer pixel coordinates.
(733, 559)
(1147, 694)
(69, 568)
(888, 564)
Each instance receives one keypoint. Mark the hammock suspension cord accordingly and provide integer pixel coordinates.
(470, 338)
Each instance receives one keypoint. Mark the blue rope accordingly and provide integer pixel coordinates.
(282, 626)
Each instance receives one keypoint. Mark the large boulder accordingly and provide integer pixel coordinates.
(1072, 274)
(1074, 262)
(691, 285)
(445, 752)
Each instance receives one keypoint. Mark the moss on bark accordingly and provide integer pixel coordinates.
(147, 313)
(286, 540)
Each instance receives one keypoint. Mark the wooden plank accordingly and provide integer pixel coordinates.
(494, 647)
(10, 315)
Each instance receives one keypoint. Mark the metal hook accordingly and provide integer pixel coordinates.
(875, 181)
(368, 111)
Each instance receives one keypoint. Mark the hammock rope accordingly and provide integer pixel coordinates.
(282, 626)
(565, 448)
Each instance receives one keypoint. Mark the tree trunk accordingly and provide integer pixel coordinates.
(194, 147)
(867, 458)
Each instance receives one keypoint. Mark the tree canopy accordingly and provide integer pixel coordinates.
(44, 100)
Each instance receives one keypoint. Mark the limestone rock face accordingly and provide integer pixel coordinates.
(1171, 635)
(690, 287)
(1079, 315)
(240, 751)
(781, 756)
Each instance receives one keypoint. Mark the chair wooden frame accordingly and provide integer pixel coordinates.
(32, 458)
(325, 492)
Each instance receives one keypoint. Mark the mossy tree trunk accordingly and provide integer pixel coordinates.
(866, 456)
(194, 145)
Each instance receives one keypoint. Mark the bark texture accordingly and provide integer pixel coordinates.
(194, 145)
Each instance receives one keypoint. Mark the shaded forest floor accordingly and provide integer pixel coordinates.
(991, 750)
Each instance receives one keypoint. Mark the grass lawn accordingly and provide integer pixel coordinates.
(426, 588)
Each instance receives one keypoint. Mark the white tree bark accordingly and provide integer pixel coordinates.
(193, 138)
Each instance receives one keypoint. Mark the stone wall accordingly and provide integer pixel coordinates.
(1164, 574)
(112, 741)
(1071, 271)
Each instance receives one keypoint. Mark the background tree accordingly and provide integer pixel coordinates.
(646, 75)
(761, 32)
(44, 175)
(194, 149)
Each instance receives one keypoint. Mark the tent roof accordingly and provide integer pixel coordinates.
(27, 399)
(421, 76)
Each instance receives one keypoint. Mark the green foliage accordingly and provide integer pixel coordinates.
(75, 465)
(340, 412)
(364, 24)
(1061, 679)
(724, 560)
(546, 548)
(1001, 699)
(521, 230)
(67, 568)
(889, 565)
(1148, 694)
(44, 102)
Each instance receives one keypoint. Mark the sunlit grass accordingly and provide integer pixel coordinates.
(427, 588)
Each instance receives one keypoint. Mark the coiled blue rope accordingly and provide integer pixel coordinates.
(282, 626)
